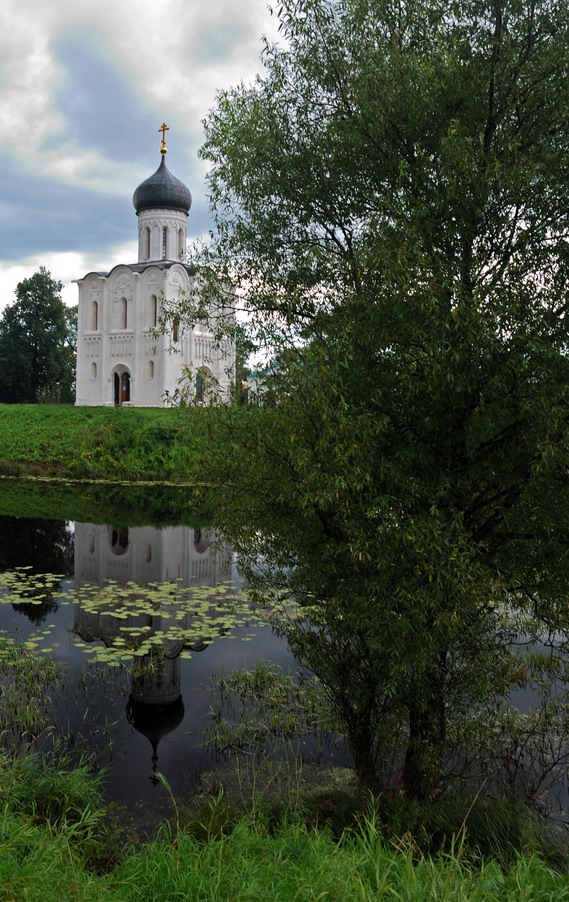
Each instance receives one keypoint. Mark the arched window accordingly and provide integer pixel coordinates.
(164, 242)
(153, 311)
(151, 369)
(94, 316)
(147, 242)
(119, 539)
(124, 314)
(176, 331)
(181, 247)
(93, 370)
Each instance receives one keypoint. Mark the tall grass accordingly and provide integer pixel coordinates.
(54, 846)
(52, 830)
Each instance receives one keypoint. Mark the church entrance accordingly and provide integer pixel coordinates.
(122, 388)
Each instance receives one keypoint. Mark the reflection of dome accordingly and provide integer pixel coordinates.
(162, 190)
(155, 721)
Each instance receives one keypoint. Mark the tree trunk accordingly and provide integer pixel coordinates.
(422, 769)
(362, 743)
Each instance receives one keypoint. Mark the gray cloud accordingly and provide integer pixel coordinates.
(100, 108)
(83, 89)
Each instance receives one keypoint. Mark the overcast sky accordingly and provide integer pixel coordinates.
(84, 87)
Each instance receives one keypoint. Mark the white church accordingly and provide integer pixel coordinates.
(122, 358)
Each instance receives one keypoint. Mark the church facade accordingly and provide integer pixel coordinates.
(123, 359)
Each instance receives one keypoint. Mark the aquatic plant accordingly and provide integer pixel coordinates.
(25, 684)
(120, 622)
(261, 709)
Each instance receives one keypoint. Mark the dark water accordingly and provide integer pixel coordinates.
(136, 721)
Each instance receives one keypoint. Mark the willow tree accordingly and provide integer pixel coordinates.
(391, 207)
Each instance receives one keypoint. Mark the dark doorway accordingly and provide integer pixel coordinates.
(125, 387)
(121, 388)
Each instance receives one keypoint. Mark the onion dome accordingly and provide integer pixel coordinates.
(162, 190)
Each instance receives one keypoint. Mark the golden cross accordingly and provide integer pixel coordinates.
(164, 128)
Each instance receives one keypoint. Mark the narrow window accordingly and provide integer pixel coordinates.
(93, 371)
(153, 311)
(176, 332)
(94, 316)
(164, 241)
(124, 313)
(181, 243)
(151, 369)
(147, 240)
(199, 387)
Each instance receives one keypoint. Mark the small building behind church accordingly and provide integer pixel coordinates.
(122, 358)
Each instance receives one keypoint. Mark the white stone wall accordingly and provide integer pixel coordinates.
(118, 312)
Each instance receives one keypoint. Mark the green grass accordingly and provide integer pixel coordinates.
(97, 442)
(58, 852)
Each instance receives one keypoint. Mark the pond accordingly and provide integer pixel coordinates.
(140, 617)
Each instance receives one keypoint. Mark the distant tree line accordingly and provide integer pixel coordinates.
(38, 335)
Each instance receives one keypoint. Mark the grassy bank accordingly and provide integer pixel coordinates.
(97, 442)
(56, 842)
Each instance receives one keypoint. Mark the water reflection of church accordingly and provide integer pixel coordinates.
(135, 557)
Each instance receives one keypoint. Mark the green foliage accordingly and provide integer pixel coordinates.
(390, 202)
(480, 827)
(53, 792)
(54, 833)
(37, 344)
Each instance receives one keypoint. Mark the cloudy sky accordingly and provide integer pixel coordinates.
(84, 87)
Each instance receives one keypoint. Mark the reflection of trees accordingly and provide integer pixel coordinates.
(46, 546)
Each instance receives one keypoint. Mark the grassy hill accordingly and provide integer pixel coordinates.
(97, 442)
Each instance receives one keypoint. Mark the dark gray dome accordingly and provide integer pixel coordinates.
(162, 190)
